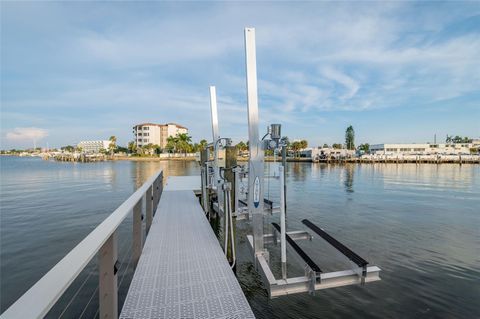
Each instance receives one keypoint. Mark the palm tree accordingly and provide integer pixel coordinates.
(132, 147)
(241, 146)
(183, 142)
(303, 144)
(203, 144)
(295, 146)
(113, 144)
(171, 144)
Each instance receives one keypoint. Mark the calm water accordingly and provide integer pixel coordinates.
(420, 224)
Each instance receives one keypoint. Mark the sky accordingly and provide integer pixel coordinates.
(395, 71)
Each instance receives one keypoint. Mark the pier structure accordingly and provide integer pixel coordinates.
(183, 272)
(180, 269)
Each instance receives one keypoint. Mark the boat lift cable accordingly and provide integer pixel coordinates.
(80, 288)
(76, 293)
(228, 216)
(88, 303)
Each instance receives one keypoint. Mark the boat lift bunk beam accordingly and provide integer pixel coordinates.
(300, 251)
(335, 243)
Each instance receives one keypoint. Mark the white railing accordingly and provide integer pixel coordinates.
(41, 297)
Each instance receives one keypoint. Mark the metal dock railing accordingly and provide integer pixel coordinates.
(183, 272)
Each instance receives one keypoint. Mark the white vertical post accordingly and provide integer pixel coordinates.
(149, 208)
(283, 229)
(237, 189)
(255, 163)
(215, 134)
(154, 196)
(160, 186)
(137, 233)
(216, 137)
(107, 285)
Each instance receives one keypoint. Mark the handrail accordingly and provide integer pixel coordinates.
(42, 296)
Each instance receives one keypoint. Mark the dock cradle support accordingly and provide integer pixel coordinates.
(347, 252)
(300, 251)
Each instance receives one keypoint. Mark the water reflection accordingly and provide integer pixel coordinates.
(348, 179)
(299, 171)
(419, 223)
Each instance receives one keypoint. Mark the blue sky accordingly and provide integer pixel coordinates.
(397, 71)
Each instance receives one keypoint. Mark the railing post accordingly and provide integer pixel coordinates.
(137, 233)
(107, 285)
(154, 195)
(149, 207)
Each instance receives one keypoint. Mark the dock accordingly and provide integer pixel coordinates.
(183, 272)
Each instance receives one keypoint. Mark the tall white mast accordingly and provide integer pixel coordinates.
(255, 164)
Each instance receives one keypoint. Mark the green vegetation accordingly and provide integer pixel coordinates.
(350, 138)
(296, 146)
(113, 144)
(457, 139)
(132, 147)
(364, 147)
(337, 146)
(203, 144)
(68, 148)
(242, 146)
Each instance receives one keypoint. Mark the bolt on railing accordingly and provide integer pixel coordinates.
(42, 296)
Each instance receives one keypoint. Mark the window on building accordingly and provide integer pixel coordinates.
(145, 139)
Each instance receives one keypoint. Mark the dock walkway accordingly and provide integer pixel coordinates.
(183, 272)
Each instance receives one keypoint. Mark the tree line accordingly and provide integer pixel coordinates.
(181, 143)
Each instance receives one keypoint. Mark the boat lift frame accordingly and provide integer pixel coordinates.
(314, 279)
(255, 207)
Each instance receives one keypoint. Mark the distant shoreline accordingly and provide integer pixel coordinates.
(153, 158)
(295, 160)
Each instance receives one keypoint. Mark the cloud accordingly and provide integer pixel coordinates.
(350, 84)
(155, 61)
(22, 134)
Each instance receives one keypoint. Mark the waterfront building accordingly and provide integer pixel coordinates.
(93, 146)
(421, 149)
(317, 153)
(156, 134)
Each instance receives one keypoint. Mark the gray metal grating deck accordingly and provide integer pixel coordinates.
(183, 272)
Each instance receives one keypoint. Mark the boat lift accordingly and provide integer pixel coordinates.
(255, 207)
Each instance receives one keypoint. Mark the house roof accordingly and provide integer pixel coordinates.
(154, 124)
(177, 125)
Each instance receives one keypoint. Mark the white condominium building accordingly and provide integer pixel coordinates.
(156, 134)
(93, 146)
(421, 149)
